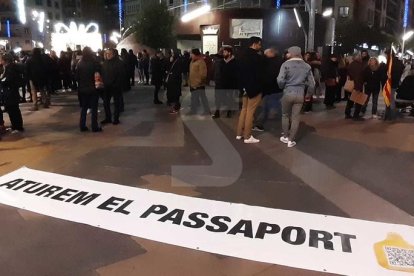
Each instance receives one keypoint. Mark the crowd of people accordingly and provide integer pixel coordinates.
(253, 82)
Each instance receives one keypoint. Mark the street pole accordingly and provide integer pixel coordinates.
(311, 33)
(403, 42)
(333, 23)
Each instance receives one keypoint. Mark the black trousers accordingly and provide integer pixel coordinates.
(15, 115)
(330, 94)
(349, 105)
(89, 101)
(146, 73)
(156, 91)
(117, 95)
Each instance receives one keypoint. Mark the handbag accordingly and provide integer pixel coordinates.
(349, 85)
(359, 97)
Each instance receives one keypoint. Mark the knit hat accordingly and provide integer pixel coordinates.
(295, 51)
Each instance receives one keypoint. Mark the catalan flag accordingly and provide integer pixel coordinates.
(388, 85)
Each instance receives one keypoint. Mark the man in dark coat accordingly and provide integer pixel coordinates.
(133, 63)
(88, 94)
(37, 74)
(271, 91)
(113, 79)
(226, 81)
(251, 74)
(9, 81)
(157, 75)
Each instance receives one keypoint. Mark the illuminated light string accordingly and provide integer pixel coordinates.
(8, 28)
(74, 35)
(120, 12)
(21, 10)
(406, 9)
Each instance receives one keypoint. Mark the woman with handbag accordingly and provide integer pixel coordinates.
(355, 74)
(10, 79)
(331, 76)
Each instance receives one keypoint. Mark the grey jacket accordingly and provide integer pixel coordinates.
(296, 75)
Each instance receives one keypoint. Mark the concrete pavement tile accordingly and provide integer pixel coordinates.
(164, 183)
(277, 270)
(162, 259)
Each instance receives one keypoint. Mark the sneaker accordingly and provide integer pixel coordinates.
(216, 115)
(239, 137)
(284, 140)
(88, 111)
(15, 131)
(173, 111)
(258, 128)
(375, 117)
(251, 140)
(291, 144)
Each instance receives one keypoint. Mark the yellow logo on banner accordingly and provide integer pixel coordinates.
(394, 253)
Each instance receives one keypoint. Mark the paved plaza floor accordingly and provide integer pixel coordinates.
(362, 170)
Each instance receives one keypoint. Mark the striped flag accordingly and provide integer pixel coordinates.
(387, 88)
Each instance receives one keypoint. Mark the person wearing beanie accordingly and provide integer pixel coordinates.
(294, 77)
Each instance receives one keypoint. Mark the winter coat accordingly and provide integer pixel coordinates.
(406, 89)
(372, 80)
(271, 71)
(229, 74)
(174, 79)
(85, 75)
(198, 73)
(9, 83)
(156, 71)
(251, 73)
(37, 70)
(113, 74)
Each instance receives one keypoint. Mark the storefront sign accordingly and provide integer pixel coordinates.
(245, 28)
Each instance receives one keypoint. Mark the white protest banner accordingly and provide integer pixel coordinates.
(300, 240)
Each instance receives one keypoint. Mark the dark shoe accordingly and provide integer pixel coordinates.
(229, 114)
(84, 129)
(358, 119)
(104, 122)
(216, 114)
(99, 129)
(116, 122)
(258, 128)
(347, 117)
(330, 107)
(158, 102)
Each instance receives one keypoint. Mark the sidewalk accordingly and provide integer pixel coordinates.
(341, 168)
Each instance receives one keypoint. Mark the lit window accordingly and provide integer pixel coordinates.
(343, 11)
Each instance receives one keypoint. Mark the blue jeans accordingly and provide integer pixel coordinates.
(197, 95)
(269, 102)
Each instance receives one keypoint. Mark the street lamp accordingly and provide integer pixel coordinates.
(329, 13)
(195, 13)
(299, 21)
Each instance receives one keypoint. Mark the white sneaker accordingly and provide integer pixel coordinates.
(291, 144)
(251, 140)
(88, 111)
(284, 139)
(239, 137)
(375, 117)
